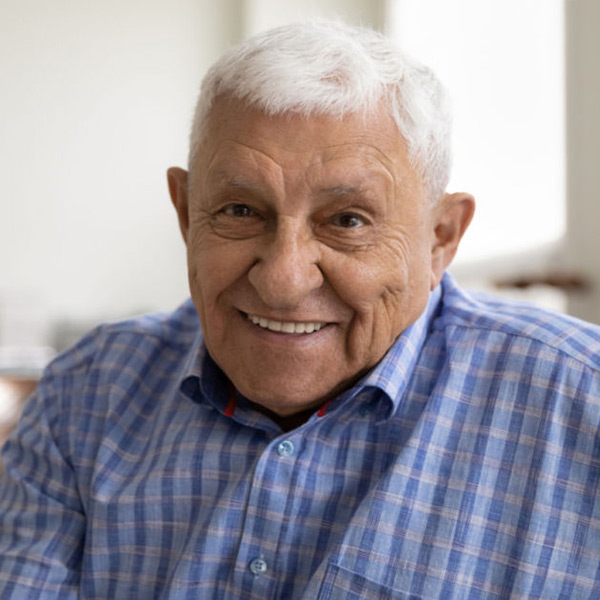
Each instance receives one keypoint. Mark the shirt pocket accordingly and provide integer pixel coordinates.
(342, 584)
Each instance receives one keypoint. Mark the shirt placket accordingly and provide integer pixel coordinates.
(258, 568)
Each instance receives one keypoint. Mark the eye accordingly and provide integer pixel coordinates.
(348, 221)
(238, 210)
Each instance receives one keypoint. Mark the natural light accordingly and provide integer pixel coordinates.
(503, 63)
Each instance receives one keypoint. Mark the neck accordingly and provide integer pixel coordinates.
(287, 422)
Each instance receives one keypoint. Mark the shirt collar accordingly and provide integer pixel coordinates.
(203, 378)
(392, 374)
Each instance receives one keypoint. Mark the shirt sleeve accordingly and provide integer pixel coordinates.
(42, 522)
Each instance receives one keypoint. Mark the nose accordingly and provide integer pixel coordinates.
(286, 270)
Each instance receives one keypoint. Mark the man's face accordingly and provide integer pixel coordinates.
(310, 246)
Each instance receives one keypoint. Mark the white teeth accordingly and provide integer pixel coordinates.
(288, 327)
(285, 326)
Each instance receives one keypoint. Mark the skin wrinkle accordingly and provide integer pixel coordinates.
(288, 257)
(339, 189)
(380, 158)
(337, 148)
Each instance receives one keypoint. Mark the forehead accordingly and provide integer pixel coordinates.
(238, 138)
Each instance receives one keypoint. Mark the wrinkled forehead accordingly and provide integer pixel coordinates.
(242, 170)
(238, 133)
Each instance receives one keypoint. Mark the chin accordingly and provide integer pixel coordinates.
(286, 397)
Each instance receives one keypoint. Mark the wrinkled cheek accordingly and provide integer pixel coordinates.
(377, 324)
(366, 337)
(193, 278)
(199, 289)
(359, 343)
(198, 261)
(195, 292)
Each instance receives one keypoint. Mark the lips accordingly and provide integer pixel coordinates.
(286, 326)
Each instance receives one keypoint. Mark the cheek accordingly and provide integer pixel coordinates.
(213, 266)
(404, 285)
(387, 291)
(370, 279)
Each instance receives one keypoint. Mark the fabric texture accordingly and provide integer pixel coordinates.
(465, 465)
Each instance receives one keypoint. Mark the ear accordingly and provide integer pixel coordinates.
(452, 216)
(178, 189)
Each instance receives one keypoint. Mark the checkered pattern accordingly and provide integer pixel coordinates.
(465, 466)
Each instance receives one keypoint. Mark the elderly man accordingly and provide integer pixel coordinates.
(332, 417)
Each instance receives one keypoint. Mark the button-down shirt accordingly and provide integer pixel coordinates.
(465, 465)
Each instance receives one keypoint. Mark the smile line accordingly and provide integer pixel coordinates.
(285, 326)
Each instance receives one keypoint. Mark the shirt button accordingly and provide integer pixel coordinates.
(258, 566)
(286, 448)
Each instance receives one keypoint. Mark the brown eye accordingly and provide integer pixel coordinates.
(238, 210)
(348, 221)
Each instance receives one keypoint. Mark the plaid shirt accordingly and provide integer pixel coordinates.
(466, 465)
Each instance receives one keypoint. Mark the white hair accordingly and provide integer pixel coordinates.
(330, 68)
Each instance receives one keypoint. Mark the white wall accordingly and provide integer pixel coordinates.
(264, 14)
(96, 101)
(508, 106)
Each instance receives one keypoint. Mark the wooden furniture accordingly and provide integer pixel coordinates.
(14, 390)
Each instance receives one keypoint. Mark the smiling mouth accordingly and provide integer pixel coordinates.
(286, 326)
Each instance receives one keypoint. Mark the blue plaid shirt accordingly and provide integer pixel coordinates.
(466, 465)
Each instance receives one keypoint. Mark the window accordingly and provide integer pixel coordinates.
(503, 64)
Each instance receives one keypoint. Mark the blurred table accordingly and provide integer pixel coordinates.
(15, 388)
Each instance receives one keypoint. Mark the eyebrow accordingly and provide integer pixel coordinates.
(235, 183)
(342, 190)
(337, 191)
(364, 193)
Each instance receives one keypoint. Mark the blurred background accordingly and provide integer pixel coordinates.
(96, 103)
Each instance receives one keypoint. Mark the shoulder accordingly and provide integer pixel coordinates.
(137, 340)
(118, 371)
(483, 319)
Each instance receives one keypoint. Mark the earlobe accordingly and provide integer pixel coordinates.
(178, 189)
(452, 217)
